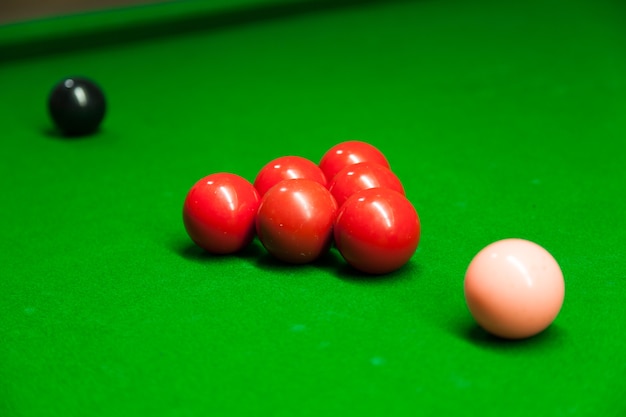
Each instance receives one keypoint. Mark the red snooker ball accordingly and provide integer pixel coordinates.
(287, 168)
(348, 153)
(362, 176)
(377, 230)
(295, 220)
(219, 213)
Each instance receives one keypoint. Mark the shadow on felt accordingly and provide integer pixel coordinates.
(330, 262)
(192, 252)
(469, 330)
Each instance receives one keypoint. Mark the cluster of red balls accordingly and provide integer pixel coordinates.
(297, 208)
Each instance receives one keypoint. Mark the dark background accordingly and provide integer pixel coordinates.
(17, 10)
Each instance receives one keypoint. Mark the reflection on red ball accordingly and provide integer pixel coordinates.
(362, 176)
(348, 153)
(295, 220)
(377, 230)
(219, 213)
(287, 168)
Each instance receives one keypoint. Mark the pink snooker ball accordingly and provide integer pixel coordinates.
(514, 288)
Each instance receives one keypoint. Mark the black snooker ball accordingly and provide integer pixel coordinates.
(77, 106)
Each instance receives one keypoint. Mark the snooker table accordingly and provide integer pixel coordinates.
(502, 119)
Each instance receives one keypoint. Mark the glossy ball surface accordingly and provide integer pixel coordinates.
(348, 153)
(219, 213)
(287, 168)
(295, 220)
(377, 230)
(514, 288)
(362, 176)
(77, 106)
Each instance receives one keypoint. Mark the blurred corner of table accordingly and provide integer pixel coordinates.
(12, 11)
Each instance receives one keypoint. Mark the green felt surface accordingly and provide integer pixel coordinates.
(502, 120)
